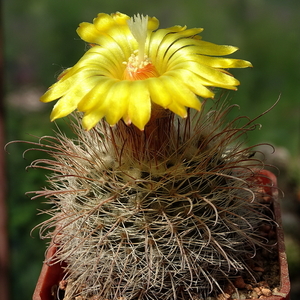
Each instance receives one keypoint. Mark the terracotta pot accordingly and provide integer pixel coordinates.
(52, 274)
(284, 290)
(283, 293)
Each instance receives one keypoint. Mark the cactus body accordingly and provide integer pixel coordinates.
(178, 224)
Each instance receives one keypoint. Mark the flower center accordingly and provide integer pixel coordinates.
(139, 66)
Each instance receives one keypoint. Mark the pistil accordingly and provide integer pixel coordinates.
(139, 66)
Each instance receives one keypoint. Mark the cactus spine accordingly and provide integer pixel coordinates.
(168, 213)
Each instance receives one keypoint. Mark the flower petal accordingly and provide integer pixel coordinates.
(212, 75)
(69, 101)
(62, 87)
(173, 57)
(105, 22)
(211, 49)
(117, 99)
(178, 109)
(88, 32)
(181, 94)
(167, 43)
(91, 119)
(192, 81)
(108, 62)
(95, 97)
(223, 63)
(159, 92)
(139, 105)
(153, 23)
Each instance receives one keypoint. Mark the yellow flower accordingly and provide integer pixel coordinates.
(132, 65)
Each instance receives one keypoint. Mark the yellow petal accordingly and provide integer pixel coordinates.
(122, 40)
(220, 62)
(91, 119)
(176, 28)
(108, 62)
(95, 97)
(181, 94)
(113, 104)
(188, 52)
(211, 49)
(104, 22)
(153, 23)
(168, 44)
(154, 43)
(214, 76)
(193, 82)
(159, 92)
(69, 101)
(120, 19)
(117, 101)
(62, 87)
(139, 105)
(88, 32)
(178, 109)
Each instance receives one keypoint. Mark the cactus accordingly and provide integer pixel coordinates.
(177, 220)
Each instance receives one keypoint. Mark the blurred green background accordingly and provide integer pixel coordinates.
(40, 41)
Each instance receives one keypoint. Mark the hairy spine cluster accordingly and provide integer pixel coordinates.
(173, 226)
